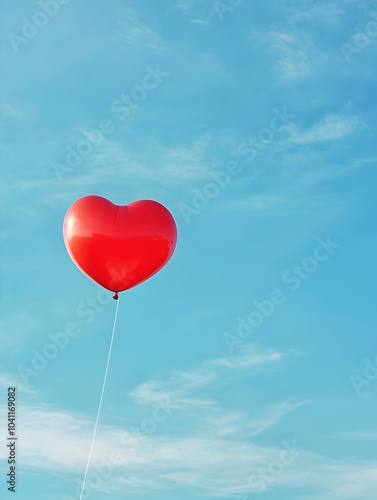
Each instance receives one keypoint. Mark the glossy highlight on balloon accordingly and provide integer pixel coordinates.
(119, 247)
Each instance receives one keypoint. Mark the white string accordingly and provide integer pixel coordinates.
(100, 402)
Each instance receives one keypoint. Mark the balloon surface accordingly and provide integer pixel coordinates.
(119, 247)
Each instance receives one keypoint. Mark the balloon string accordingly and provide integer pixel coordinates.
(100, 402)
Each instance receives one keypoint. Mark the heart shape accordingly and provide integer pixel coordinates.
(119, 247)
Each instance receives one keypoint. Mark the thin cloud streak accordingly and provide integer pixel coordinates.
(330, 128)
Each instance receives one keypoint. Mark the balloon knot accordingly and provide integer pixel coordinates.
(115, 296)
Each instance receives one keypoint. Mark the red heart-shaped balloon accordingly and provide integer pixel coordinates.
(119, 246)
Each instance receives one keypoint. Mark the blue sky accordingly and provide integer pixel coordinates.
(254, 123)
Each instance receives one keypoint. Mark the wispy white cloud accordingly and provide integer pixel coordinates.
(210, 441)
(312, 11)
(295, 46)
(264, 202)
(136, 32)
(195, 10)
(329, 128)
(6, 381)
(304, 175)
(306, 190)
(251, 357)
(11, 111)
(207, 449)
(113, 162)
(295, 53)
(354, 480)
(172, 166)
(181, 384)
(215, 459)
(359, 434)
(307, 199)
